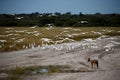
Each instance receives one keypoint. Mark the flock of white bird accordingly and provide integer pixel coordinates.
(48, 43)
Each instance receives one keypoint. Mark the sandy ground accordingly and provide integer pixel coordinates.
(74, 54)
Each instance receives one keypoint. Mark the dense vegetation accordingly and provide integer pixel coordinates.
(59, 19)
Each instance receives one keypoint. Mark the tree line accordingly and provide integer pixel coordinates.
(58, 19)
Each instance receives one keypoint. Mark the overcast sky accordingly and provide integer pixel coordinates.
(62, 6)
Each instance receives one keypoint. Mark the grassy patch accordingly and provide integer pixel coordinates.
(25, 70)
(15, 74)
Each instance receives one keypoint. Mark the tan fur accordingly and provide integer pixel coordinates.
(94, 63)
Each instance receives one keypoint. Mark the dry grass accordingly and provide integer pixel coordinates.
(17, 38)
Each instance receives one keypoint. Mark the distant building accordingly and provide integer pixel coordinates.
(83, 22)
(18, 18)
(50, 25)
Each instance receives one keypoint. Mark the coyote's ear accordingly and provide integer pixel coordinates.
(88, 59)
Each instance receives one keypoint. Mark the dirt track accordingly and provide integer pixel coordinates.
(106, 50)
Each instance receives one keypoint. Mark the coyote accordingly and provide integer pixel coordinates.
(94, 63)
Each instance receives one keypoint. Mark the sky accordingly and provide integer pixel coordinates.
(62, 6)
